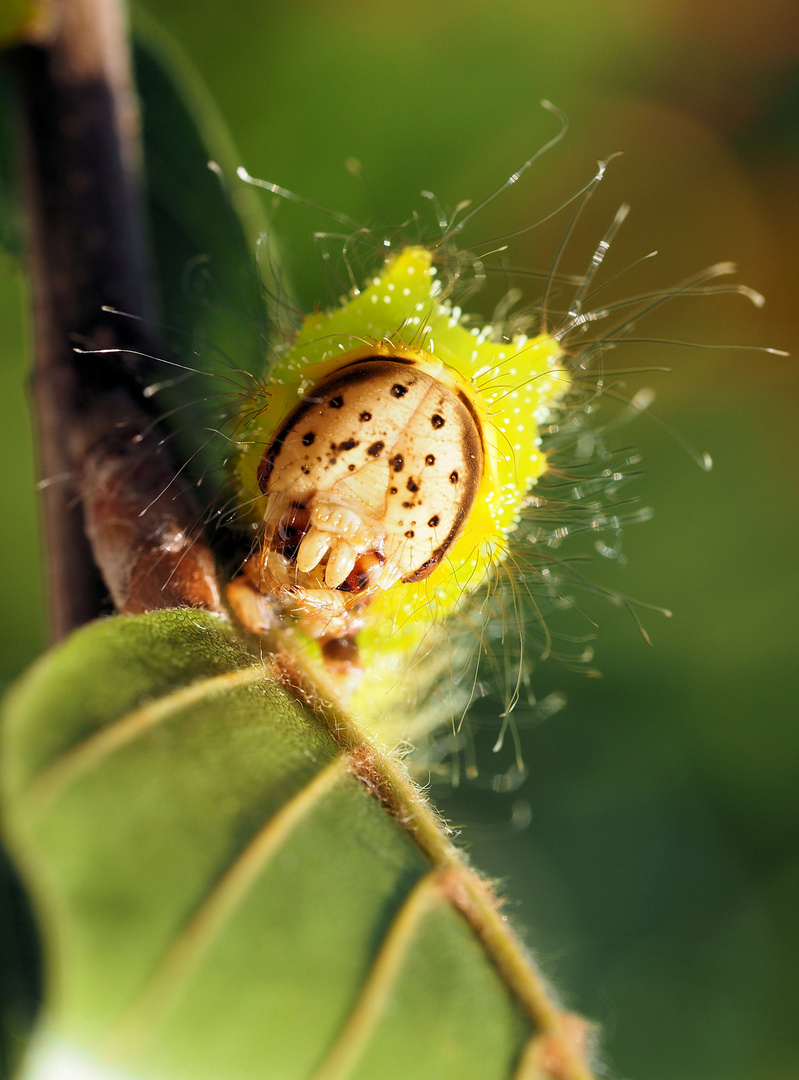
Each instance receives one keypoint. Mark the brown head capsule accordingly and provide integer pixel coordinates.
(361, 495)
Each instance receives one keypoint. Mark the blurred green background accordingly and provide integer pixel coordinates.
(657, 875)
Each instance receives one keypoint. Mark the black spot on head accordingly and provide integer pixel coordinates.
(351, 468)
(410, 534)
(308, 438)
(348, 444)
(430, 459)
(409, 505)
(412, 485)
(376, 449)
(306, 469)
(453, 477)
(336, 402)
(398, 390)
(364, 417)
(434, 521)
(437, 421)
(392, 491)
(397, 463)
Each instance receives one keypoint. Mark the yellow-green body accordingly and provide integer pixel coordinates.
(512, 385)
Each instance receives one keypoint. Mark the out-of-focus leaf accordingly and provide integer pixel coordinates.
(10, 212)
(221, 895)
(204, 225)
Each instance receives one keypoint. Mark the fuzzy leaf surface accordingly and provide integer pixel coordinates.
(219, 889)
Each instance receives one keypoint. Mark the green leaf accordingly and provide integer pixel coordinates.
(234, 886)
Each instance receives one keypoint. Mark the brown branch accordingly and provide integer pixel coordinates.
(101, 456)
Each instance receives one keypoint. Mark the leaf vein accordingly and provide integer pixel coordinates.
(376, 993)
(91, 751)
(208, 921)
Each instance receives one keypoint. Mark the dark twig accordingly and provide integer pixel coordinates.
(86, 252)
